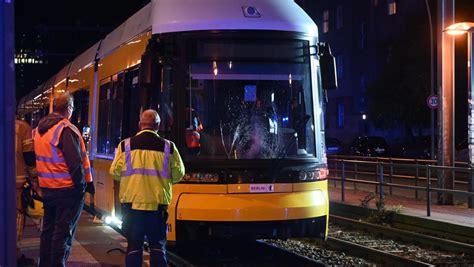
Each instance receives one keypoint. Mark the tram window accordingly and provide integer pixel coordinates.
(110, 114)
(103, 122)
(81, 112)
(251, 110)
(37, 115)
(131, 107)
(116, 111)
(162, 101)
(284, 51)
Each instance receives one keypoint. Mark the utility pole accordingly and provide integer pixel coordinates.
(446, 89)
(432, 111)
(7, 136)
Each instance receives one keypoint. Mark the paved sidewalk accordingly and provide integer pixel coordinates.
(95, 244)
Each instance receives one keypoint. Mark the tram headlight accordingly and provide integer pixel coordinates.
(201, 177)
(112, 220)
(315, 175)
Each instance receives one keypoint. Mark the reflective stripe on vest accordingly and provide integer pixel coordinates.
(142, 171)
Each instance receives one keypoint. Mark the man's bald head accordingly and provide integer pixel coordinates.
(149, 120)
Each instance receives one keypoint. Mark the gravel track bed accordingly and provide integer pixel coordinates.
(401, 248)
(313, 250)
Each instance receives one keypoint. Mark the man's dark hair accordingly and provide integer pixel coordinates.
(62, 101)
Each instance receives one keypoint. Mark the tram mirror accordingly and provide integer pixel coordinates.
(328, 67)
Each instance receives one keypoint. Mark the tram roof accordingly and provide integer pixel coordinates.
(192, 15)
(84, 59)
(164, 16)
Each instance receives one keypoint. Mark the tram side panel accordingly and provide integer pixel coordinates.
(114, 70)
(80, 84)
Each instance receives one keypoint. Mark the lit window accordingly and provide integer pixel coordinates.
(340, 115)
(392, 7)
(340, 66)
(339, 17)
(326, 21)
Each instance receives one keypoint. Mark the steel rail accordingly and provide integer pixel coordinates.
(387, 259)
(393, 233)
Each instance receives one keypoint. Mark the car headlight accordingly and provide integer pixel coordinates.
(201, 177)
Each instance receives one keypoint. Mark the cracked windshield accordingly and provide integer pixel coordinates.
(258, 106)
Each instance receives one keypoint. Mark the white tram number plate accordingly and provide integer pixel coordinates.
(262, 188)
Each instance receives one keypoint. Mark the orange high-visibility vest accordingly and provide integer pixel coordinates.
(53, 171)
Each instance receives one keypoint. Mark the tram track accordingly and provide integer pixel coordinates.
(408, 236)
(376, 255)
(380, 245)
(236, 253)
(396, 246)
(429, 227)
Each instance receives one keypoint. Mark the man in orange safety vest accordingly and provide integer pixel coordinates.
(64, 176)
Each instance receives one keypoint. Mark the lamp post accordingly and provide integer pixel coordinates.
(432, 112)
(458, 29)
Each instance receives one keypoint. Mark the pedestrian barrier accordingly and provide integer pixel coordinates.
(402, 174)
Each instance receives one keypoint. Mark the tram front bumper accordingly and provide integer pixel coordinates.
(252, 207)
(268, 215)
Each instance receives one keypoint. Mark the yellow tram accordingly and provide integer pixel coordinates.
(238, 86)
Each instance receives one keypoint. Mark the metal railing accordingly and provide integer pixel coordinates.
(418, 176)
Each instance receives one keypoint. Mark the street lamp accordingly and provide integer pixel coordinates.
(458, 29)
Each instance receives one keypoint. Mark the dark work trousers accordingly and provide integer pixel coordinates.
(140, 223)
(59, 226)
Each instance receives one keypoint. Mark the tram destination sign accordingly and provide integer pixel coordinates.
(262, 188)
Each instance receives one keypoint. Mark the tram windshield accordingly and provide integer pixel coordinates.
(250, 100)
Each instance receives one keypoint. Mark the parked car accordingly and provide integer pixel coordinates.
(333, 146)
(418, 148)
(369, 146)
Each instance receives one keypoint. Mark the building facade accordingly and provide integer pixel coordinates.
(362, 35)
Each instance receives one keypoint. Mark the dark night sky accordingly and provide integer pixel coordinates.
(82, 24)
(29, 14)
